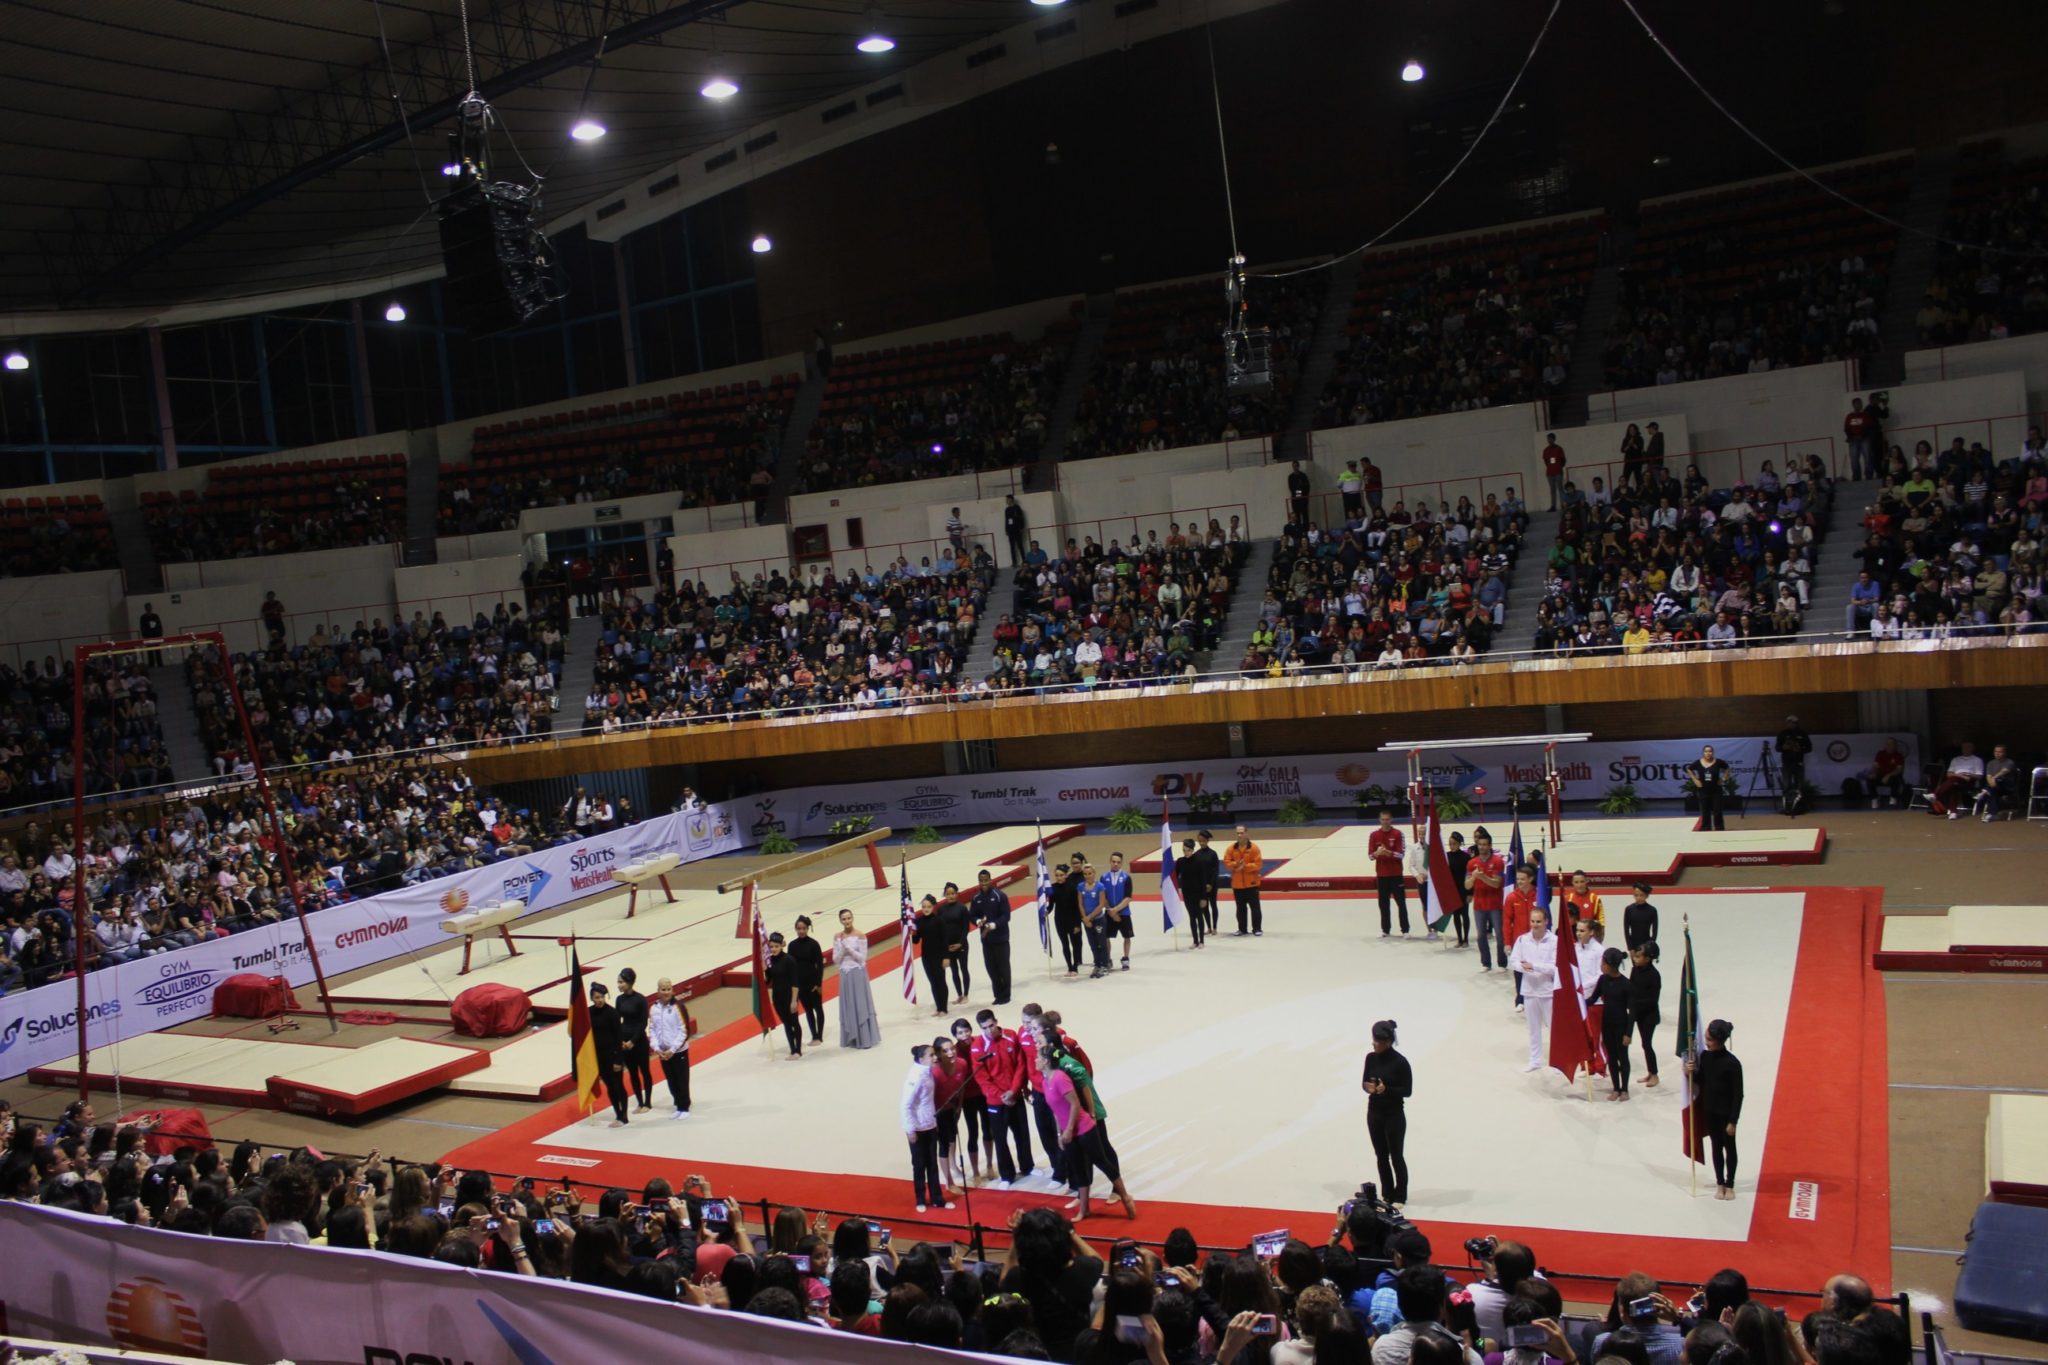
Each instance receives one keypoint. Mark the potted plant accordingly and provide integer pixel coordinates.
(1215, 805)
(777, 844)
(1129, 820)
(1621, 799)
(924, 834)
(1296, 810)
(1452, 804)
(846, 826)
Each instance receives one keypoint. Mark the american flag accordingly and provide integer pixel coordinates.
(909, 938)
(1044, 896)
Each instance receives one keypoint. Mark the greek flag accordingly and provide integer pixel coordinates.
(1044, 897)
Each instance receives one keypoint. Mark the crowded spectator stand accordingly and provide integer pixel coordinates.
(281, 507)
(67, 534)
(1980, 294)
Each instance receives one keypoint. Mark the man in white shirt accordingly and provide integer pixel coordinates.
(1534, 956)
(59, 866)
(1964, 776)
(668, 1034)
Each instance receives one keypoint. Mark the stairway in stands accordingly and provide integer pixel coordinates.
(579, 666)
(1835, 571)
(1101, 308)
(796, 435)
(139, 569)
(1587, 373)
(1332, 322)
(180, 721)
(1243, 614)
(422, 498)
(1525, 582)
(1913, 260)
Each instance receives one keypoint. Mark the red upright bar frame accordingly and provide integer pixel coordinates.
(81, 911)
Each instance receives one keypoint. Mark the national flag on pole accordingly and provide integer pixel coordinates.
(1543, 887)
(582, 1047)
(1692, 1040)
(1170, 902)
(760, 933)
(1571, 1038)
(1516, 855)
(1440, 888)
(1044, 897)
(909, 937)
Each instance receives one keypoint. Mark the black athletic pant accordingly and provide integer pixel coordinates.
(792, 1029)
(1461, 920)
(676, 1071)
(813, 1001)
(1247, 898)
(1007, 1127)
(935, 974)
(615, 1091)
(1049, 1135)
(1070, 945)
(1647, 1027)
(1722, 1142)
(924, 1168)
(1617, 1060)
(995, 958)
(1710, 809)
(1389, 1133)
(640, 1075)
(1393, 892)
(963, 975)
(1198, 922)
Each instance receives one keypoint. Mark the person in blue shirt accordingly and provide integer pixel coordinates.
(1117, 883)
(1095, 918)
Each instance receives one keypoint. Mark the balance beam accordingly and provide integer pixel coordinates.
(745, 885)
(636, 875)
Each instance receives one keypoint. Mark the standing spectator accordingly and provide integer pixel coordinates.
(1553, 470)
(956, 532)
(1297, 495)
(1793, 745)
(1860, 428)
(151, 625)
(1245, 863)
(1375, 483)
(761, 486)
(1707, 776)
(1015, 526)
(1351, 484)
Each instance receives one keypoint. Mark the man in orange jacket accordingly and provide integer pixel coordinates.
(1245, 861)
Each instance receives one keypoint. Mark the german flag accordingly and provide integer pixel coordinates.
(582, 1050)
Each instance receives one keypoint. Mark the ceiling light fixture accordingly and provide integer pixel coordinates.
(395, 312)
(452, 168)
(587, 130)
(1412, 72)
(876, 40)
(762, 245)
(16, 361)
(1048, 4)
(719, 88)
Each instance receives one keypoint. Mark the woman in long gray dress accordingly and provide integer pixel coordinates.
(859, 1026)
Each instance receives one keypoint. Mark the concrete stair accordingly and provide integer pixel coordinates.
(1321, 358)
(139, 569)
(1059, 423)
(1835, 571)
(1525, 582)
(796, 432)
(422, 498)
(579, 666)
(1912, 267)
(1587, 373)
(1243, 613)
(180, 721)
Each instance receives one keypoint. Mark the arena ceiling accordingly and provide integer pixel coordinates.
(208, 149)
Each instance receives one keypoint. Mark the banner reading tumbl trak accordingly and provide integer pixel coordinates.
(75, 1278)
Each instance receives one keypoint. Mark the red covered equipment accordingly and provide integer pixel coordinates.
(491, 1010)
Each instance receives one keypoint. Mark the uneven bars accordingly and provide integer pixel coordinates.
(1422, 745)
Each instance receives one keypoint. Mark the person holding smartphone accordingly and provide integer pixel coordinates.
(1388, 1084)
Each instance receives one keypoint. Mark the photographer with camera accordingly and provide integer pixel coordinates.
(1507, 1265)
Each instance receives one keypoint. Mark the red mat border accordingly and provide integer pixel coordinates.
(1835, 1029)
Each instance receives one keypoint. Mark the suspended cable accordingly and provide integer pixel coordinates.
(391, 68)
(1801, 171)
(1222, 144)
(1506, 98)
(468, 52)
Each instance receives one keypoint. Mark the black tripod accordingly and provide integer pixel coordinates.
(1763, 778)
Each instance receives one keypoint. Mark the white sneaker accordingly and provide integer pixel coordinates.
(1955, 815)
(1000, 1185)
(680, 1114)
(1533, 1066)
(920, 1208)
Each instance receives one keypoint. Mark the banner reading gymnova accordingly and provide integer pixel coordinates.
(74, 1278)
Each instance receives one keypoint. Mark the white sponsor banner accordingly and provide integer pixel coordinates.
(40, 1027)
(1655, 767)
(74, 1278)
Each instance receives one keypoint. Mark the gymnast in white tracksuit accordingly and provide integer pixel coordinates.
(1535, 957)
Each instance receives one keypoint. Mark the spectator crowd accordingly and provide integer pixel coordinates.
(1663, 562)
(1995, 283)
(817, 641)
(124, 740)
(1370, 1291)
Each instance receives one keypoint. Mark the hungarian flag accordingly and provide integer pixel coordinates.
(582, 1048)
(909, 937)
(1692, 1040)
(1439, 886)
(760, 932)
(1044, 897)
(1170, 902)
(1573, 1044)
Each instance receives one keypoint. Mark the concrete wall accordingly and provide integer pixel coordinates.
(1442, 458)
(459, 590)
(2027, 354)
(45, 617)
(715, 556)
